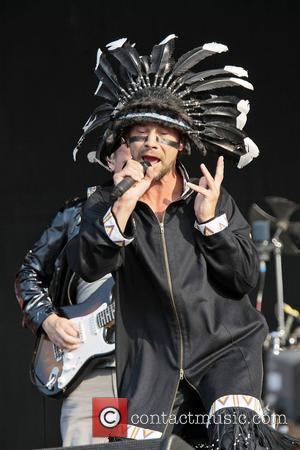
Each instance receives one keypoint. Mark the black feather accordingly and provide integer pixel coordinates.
(220, 130)
(224, 148)
(161, 57)
(218, 83)
(145, 63)
(191, 58)
(213, 110)
(101, 115)
(104, 92)
(221, 99)
(129, 58)
(105, 73)
(194, 77)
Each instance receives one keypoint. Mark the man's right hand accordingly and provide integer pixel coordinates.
(62, 332)
(124, 206)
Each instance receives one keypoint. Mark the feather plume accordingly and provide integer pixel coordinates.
(101, 115)
(234, 152)
(103, 92)
(221, 99)
(243, 106)
(127, 55)
(145, 66)
(193, 57)
(220, 111)
(192, 78)
(105, 73)
(221, 130)
(161, 56)
(218, 83)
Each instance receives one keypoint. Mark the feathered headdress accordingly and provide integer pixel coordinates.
(156, 88)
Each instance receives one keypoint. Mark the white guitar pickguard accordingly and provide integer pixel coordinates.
(92, 343)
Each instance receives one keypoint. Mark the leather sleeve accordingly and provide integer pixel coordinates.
(34, 276)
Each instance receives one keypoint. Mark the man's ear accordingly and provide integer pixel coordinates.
(124, 140)
(111, 162)
(181, 145)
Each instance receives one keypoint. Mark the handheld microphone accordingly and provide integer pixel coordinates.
(126, 184)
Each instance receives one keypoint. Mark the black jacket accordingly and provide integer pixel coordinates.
(182, 302)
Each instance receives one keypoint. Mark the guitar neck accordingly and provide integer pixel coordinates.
(106, 316)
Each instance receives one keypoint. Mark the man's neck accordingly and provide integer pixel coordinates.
(163, 192)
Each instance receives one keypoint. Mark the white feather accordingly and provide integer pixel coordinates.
(244, 160)
(252, 152)
(167, 39)
(243, 83)
(88, 123)
(243, 106)
(75, 151)
(251, 147)
(116, 44)
(91, 156)
(215, 47)
(99, 53)
(241, 121)
(98, 88)
(238, 71)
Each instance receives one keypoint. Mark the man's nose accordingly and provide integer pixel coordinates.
(151, 139)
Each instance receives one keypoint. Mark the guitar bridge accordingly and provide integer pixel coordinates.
(52, 378)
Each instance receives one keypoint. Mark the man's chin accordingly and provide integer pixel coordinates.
(161, 172)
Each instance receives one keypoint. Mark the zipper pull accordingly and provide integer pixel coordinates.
(181, 376)
(161, 227)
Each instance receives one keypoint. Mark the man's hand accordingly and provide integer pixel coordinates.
(208, 192)
(124, 206)
(62, 332)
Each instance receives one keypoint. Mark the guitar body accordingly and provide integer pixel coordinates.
(57, 373)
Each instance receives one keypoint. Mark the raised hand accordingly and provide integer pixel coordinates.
(208, 192)
(124, 206)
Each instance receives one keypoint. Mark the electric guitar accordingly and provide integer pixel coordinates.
(55, 372)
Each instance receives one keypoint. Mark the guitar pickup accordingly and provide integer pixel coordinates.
(82, 335)
(58, 353)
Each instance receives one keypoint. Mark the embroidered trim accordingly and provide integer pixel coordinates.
(213, 227)
(138, 433)
(236, 401)
(113, 231)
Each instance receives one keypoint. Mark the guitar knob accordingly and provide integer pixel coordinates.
(69, 355)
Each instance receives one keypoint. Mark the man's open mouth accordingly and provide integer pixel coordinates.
(151, 159)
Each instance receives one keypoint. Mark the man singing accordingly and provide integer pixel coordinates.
(180, 251)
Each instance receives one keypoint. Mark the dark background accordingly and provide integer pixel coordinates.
(47, 59)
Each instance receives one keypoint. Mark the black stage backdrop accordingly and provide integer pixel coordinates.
(47, 58)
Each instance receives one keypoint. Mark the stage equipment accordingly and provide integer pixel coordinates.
(282, 387)
(286, 239)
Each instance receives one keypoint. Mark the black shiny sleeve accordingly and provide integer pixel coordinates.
(230, 254)
(34, 276)
(92, 254)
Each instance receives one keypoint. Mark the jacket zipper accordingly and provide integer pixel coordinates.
(181, 371)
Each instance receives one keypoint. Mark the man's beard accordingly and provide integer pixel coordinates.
(163, 171)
